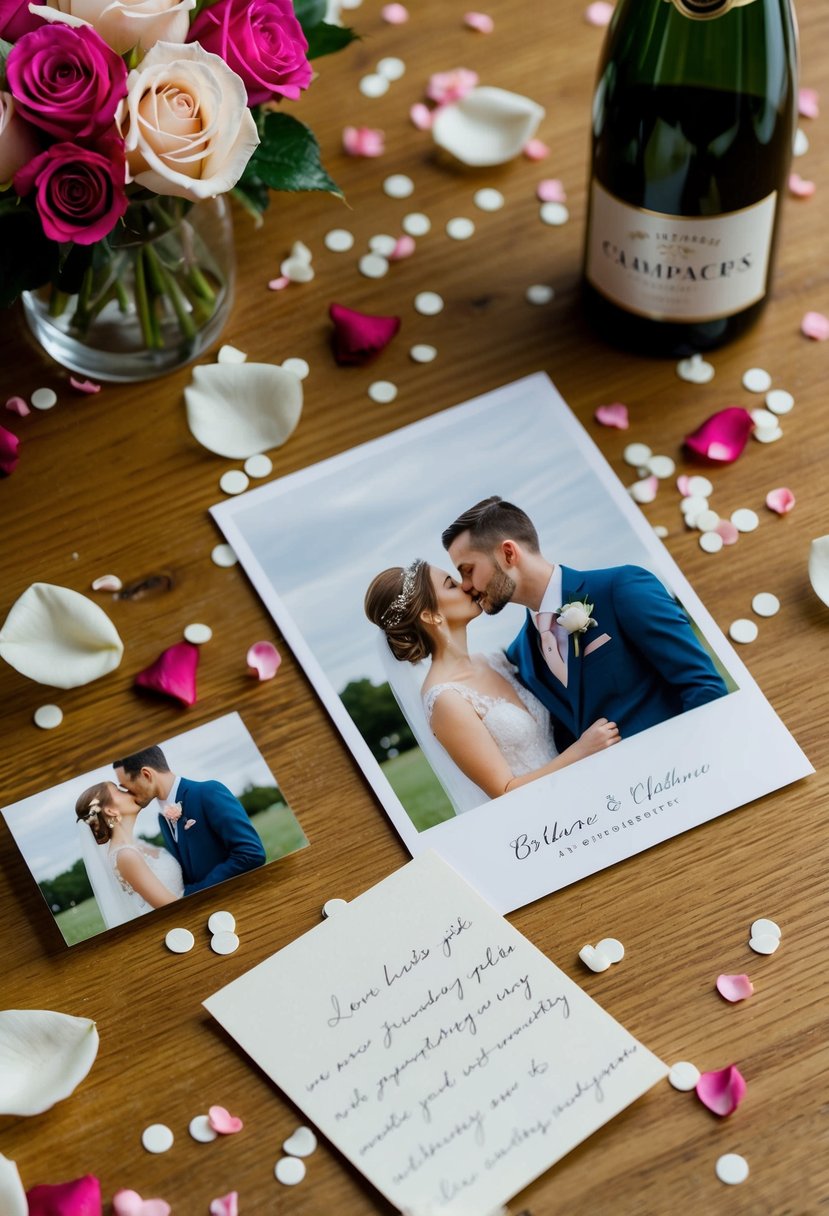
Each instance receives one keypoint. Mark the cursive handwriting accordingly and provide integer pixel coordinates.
(523, 846)
(417, 956)
(651, 787)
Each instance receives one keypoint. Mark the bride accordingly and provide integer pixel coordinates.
(494, 729)
(129, 877)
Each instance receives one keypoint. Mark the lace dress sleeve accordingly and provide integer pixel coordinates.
(113, 858)
(479, 701)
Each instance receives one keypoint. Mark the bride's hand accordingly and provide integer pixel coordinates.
(597, 737)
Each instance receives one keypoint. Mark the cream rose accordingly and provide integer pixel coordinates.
(124, 24)
(18, 141)
(185, 123)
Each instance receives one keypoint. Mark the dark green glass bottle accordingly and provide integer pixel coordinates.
(694, 118)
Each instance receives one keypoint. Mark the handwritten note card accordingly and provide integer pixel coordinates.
(434, 1045)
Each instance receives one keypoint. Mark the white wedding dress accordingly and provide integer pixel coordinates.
(162, 864)
(524, 736)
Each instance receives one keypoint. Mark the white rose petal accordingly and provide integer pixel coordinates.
(59, 637)
(819, 567)
(488, 126)
(13, 1200)
(44, 1055)
(240, 409)
(124, 24)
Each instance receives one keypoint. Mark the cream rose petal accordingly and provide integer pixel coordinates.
(488, 126)
(12, 1196)
(819, 567)
(59, 637)
(124, 24)
(240, 409)
(44, 1055)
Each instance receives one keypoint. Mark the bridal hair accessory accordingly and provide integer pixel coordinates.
(575, 618)
(397, 608)
(92, 811)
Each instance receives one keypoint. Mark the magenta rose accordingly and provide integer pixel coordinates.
(80, 193)
(261, 40)
(16, 20)
(66, 80)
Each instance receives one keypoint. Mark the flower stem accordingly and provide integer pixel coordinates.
(143, 305)
(58, 300)
(167, 285)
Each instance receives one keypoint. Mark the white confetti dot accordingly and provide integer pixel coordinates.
(398, 186)
(637, 454)
(660, 530)
(741, 630)
(416, 223)
(299, 367)
(779, 401)
(221, 922)
(711, 542)
(765, 604)
(459, 228)
(644, 491)
(661, 467)
(594, 959)
(302, 1143)
(744, 519)
(801, 142)
(234, 481)
(339, 240)
(373, 85)
(732, 1169)
(197, 633)
(695, 370)
(224, 942)
(297, 269)
(179, 940)
(700, 486)
(554, 214)
(611, 948)
(764, 420)
(332, 906)
(289, 1171)
(421, 352)
(47, 717)
(223, 555)
(764, 943)
(391, 67)
(756, 380)
(763, 927)
(692, 507)
(44, 398)
(768, 435)
(157, 1138)
(706, 520)
(200, 1129)
(539, 293)
(373, 266)
(428, 303)
(683, 1075)
(488, 199)
(382, 243)
(259, 465)
(382, 391)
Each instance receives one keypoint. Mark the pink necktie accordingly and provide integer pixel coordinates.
(549, 632)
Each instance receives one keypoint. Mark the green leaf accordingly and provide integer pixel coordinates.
(309, 13)
(5, 47)
(325, 39)
(288, 158)
(252, 194)
(29, 258)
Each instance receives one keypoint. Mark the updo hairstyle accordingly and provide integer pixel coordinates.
(90, 808)
(394, 601)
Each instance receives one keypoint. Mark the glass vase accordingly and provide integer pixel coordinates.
(155, 293)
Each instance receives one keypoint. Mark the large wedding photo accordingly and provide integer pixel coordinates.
(483, 610)
(155, 823)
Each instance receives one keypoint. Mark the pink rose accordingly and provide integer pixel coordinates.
(262, 41)
(16, 20)
(79, 192)
(18, 141)
(66, 80)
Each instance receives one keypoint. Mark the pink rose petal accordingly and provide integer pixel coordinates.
(729, 532)
(278, 283)
(682, 483)
(358, 336)
(446, 87)
(598, 13)
(800, 187)
(722, 437)
(734, 987)
(404, 248)
(223, 1122)
(225, 1205)
(422, 117)
(780, 500)
(130, 1203)
(81, 1197)
(84, 386)
(17, 405)
(614, 414)
(807, 103)
(395, 14)
(173, 673)
(722, 1091)
(263, 660)
(535, 149)
(364, 141)
(9, 451)
(481, 22)
(551, 190)
(816, 326)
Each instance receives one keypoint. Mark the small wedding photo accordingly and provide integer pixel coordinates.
(154, 823)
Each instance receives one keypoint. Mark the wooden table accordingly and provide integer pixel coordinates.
(116, 482)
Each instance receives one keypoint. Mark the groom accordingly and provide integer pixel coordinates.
(203, 825)
(625, 650)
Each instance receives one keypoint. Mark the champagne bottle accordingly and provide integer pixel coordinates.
(694, 118)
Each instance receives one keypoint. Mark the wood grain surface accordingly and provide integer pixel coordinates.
(116, 482)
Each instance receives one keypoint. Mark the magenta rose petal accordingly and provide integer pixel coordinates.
(722, 1091)
(358, 336)
(81, 1197)
(9, 451)
(614, 414)
(263, 660)
(173, 673)
(722, 437)
(815, 326)
(780, 500)
(734, 987)
(261, 41)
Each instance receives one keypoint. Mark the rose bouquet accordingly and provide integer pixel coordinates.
(117, 117)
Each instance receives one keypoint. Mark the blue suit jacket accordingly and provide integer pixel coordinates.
(651, 668)
(222, 841)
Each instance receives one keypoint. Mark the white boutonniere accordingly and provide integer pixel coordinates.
(575, 618)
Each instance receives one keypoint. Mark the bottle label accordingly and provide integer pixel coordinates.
(702, 10)
(675, 267)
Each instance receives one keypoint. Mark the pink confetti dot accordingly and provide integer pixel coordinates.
(614, 414)
(780, 500)
(598, 13)
(395, 14)
(816, 326)
(481, 22)
(421, 116)
(84, 386)
(800, 187)
(18, 406)
(807, 103)
(279, 283)
(535, 149)
(551, 190)
(729, 532)
(404, 248)
(363, 141)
